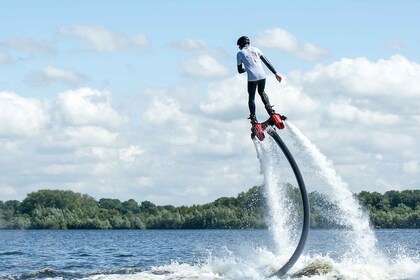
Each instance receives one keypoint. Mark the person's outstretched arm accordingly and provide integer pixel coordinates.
(270, 67)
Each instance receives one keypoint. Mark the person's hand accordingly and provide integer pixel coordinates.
(278, 77)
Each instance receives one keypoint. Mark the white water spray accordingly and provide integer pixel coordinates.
(363, 259)
(281, 212)
(362, 238)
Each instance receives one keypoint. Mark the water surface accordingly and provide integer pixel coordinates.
(188, 254)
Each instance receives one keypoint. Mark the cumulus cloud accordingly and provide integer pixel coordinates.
(101, 39)
(129, 154)
(205, 64)
(285, 41)
(88, 107)
(168, 115)
(351, 109)
(165, 111)
(344, 110)
(171, 146)
(361, 77)
(196, 149)
(204, 67)
(89, 136)
(8, 191)
(75, 141)
(367, 108)
(51, 74)
(21, 116)
(226, 99)
(412, 167)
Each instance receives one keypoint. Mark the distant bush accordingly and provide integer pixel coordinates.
(58, 209)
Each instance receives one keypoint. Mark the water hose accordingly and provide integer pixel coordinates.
(305, 227)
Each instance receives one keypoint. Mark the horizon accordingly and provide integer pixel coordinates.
(185, 205)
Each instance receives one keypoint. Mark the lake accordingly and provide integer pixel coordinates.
(197, 254)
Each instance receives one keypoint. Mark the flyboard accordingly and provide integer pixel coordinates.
(257, 130)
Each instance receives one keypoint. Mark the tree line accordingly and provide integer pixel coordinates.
(64, 209)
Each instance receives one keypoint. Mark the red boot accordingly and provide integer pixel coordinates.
(276, 119)
(257, 131)
(257, 128)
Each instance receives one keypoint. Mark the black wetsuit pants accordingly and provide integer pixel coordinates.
(252, 88)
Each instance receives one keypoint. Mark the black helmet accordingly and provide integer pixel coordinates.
(244, 40)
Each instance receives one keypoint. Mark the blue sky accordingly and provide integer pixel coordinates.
(114, 83)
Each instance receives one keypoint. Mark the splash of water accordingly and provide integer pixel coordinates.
(364, 260)
(279, 223)
(362, 238)
(281, 220)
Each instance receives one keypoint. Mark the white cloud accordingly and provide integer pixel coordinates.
(60, 169)
(365, 107)
(176, 127)
(144, 182)
(285, 41)
(204, 67)
(228, 99)
(76, 141)
(225, 99)
(191, 45)
(368, 135)
(71, 150)
(290, 99)
(89, 136)
(8, 191)
(88, 107)
(412, 167)
(197, 46)
(344, 110)
(128, 154)
(181, 141)
(21, 116)
(50, 74)
(27, 45)
(360, 77)
(163, 112)
(196, 191)
(193, 148)
(101, 39)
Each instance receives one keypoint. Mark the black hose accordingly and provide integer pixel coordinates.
(305, 202)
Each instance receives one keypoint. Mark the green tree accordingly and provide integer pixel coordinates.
(12, 205)
(130, 206)
(60, 199)
(58, 209)
(110, 203)
(148, 207)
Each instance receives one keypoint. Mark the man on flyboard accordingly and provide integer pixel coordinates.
(251, 57)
